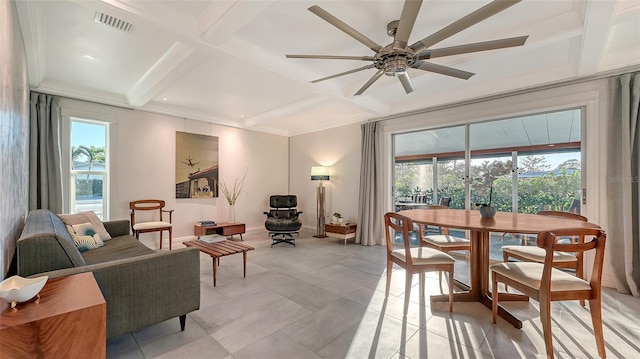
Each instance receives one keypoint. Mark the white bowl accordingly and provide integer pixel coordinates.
(18, 289)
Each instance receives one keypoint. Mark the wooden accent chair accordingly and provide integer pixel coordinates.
(413, 260)
(544, 283)
(560, 259)
(443, 242)
(153, 226)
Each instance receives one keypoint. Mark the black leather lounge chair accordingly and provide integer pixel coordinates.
(282, 219)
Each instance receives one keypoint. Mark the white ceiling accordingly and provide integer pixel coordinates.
(224, 61)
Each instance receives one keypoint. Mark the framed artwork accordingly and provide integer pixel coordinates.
(196, 165)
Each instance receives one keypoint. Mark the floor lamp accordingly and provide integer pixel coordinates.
(320, 173)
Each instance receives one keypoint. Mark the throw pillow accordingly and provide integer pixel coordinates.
(84, 217)
(84, 236)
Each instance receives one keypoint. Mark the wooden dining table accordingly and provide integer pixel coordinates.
(480, 229)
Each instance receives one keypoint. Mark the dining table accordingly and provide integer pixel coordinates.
(477, 290)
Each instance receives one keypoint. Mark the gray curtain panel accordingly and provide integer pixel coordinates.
(45, 167)
(623, 185)
(370, 211)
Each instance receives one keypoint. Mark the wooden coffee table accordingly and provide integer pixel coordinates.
(221, 249)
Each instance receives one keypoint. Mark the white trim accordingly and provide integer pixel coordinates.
(70, 114)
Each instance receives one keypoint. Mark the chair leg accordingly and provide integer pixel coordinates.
(170, 238)
(505, 259)
(580, 272)
(545, 318)
(596, 318)
(494, 297)
(407, 291)
(161, 239)
(450, 288)
(389, 269)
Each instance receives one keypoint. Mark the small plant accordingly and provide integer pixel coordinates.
(337, 215)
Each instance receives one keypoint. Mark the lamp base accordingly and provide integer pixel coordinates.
(320, 236)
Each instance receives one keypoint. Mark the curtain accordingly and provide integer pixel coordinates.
(45, 167)
(370, 210)
(623, 184)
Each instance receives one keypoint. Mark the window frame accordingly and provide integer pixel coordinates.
(69, 116)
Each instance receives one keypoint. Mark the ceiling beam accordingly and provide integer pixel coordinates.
(177, 61)
(598, 18)
(31, 19)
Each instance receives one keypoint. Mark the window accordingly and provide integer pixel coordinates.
(89, 179)
(524, 164)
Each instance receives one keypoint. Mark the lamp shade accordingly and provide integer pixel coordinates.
(320, 173)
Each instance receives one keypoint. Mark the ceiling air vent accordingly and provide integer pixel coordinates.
(112, 22)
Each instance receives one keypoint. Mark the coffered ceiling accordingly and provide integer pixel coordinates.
(224, 61)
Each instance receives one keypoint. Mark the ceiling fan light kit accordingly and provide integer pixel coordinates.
(396, 58)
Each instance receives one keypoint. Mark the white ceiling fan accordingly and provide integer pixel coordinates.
(396, 58)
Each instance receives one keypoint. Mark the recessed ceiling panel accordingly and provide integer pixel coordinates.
(85, 53)
(228, 86)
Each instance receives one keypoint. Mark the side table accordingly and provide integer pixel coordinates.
(226, 229)
(69, 320)
(342, 231)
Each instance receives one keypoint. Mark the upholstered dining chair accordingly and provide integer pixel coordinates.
(151, 226)
(544, 283)
(413, 259)
(443, 242)
(560, 259)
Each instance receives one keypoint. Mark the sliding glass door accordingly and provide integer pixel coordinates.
(523, 164)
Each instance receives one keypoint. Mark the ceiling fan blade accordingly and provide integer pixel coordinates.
(475, 17)
(331, 57)
(369, 83)
(407, 20)
(406, 82)
(443, 70)
(344, 73)
(475, 47)
(344, 27)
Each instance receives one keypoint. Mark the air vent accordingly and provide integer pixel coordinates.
(113, 22)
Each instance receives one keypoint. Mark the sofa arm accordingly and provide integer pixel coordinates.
(145, 290)
(117, 228)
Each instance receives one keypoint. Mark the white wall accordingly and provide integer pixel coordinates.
(143, 165)
(14, 134)
(338, 148)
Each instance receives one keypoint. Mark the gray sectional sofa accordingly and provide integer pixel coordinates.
(141, 286)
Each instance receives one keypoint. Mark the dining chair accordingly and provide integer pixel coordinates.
(443, 241)
(413, 259)
(151, 226)
(563, 260)
(545, 284)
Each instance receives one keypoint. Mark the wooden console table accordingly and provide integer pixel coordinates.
(226, 229)
(57, 324)
(342, 231)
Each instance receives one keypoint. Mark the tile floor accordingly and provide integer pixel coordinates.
(322, 299)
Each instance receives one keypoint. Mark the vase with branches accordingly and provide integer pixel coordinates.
(484, 184)
(231, 194)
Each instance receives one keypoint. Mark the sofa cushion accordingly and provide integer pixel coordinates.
(117, 248)
(84, 217)
(84, 236)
